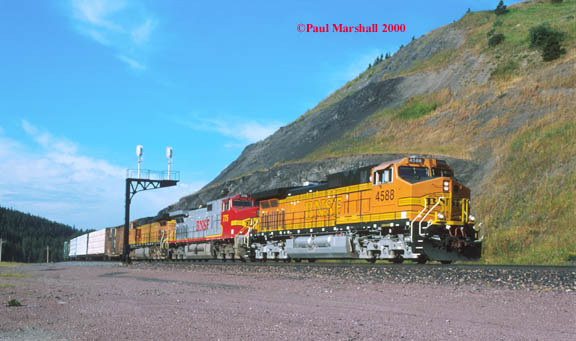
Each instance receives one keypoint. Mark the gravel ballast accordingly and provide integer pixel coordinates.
(102, 301)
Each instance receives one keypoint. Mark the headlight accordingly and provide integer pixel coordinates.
(440, 216)
(446, 186)
(472, 218)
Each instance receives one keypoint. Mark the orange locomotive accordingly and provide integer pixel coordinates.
(412, 208)
(150, 241)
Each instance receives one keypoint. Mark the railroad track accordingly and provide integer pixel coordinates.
(360, 264)
(474, 276)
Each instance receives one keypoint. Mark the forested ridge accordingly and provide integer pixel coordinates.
(26, 236)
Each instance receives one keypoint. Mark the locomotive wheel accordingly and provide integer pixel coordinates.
(421, 259)
(371, 260)
(397, 260)
(446, 261)
(311, 260)
(297, 260)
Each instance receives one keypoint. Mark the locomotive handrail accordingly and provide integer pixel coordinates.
(418, 216)
(427, 213)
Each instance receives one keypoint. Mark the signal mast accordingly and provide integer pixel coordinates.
(144, 180)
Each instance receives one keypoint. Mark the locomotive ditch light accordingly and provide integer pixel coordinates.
(472, 218)
(440, 216)
(446, 186)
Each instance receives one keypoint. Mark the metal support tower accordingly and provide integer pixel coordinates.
(133, 186)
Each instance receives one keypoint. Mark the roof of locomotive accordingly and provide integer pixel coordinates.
(346, 178)
(412, 160)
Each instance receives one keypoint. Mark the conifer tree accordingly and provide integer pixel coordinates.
(501, 8)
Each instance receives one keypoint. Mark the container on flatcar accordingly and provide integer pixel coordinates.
(72, 248)
(82, 246)
(65, 249)
(96, 243)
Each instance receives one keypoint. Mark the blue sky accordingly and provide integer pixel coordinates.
(82, 82)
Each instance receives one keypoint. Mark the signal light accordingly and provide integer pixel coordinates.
(446, 186)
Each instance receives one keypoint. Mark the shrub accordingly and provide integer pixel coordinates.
(14, 303)
(547, 40)
(504, 69)
(495, 39)
(540, 35)
(552, 50)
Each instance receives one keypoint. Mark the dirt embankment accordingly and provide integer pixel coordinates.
(191, 301)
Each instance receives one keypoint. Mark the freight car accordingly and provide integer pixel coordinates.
(411, 208)
(102, 244)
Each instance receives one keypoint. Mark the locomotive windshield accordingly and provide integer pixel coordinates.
(242, 203)
(413, 174)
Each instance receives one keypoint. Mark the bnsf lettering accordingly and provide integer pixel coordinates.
(202, 225)
(322, 208)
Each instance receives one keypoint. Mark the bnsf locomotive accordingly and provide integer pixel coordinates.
(412, 208)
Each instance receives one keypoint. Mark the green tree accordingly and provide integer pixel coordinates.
(501, 8)
(26, 236)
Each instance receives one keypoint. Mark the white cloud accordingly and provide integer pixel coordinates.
(52, 179)
(241, 130)
(98, 12)
(48, 141)
(132, 63)
(141, 34)
(122, 25)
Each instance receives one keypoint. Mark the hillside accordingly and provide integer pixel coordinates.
(26, 236)
(497, 111)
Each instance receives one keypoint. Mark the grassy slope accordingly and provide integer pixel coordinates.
(528, 200)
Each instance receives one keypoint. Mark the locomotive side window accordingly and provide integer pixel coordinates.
(225, 205)
(413, 174)
(209, 207)
(383, 176)
(440, 172)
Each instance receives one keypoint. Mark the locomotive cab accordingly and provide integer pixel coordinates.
(432, 204)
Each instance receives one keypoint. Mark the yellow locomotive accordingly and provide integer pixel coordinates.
(412, 208)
